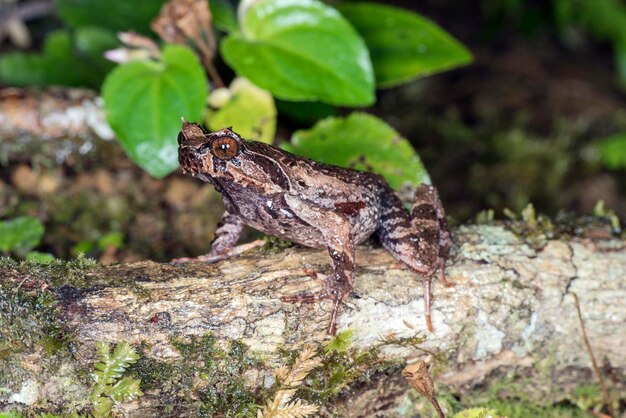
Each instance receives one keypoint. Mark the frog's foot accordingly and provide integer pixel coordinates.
(338, 294)
(315, 275)
(230, 253)
(306, 297)
(441, 276)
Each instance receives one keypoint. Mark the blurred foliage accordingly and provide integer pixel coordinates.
(20, 233)
(224, 16)
(68, 58)
(613, 151)
(116, 15)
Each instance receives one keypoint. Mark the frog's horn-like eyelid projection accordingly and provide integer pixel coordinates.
(191, 134)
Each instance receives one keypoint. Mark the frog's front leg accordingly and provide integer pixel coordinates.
(335, 229)
(420, 240)
(227, 234)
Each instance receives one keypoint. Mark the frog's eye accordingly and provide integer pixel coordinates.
(225, 148)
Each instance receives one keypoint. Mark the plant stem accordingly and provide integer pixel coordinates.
(213, 74)
(596, 369)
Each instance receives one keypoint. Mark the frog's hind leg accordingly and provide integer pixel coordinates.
(414, 241)
(336, 230)
(425, 202)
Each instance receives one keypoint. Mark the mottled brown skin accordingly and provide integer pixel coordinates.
(315, 205)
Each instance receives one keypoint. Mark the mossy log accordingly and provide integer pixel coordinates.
(510, 317)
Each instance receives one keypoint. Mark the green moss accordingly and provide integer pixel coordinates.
(274, 245)
(535, 229)
(524, 409)
(28, 318)
(57, 273)
(70, 277)
(343, 368)
(29, 323)
(208, 377)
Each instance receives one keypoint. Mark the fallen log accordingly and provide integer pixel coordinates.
(509, 318)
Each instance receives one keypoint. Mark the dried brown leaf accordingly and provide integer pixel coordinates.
(297, 409)
(182, 20)
(419, 378)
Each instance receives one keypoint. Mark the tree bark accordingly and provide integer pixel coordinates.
(510, 312)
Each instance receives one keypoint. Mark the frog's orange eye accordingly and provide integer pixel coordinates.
(225, 148)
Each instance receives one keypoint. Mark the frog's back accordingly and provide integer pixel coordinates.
(354, 194)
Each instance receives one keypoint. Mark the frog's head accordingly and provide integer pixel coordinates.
(205, 153)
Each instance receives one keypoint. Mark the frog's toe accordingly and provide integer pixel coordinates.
(306, 297)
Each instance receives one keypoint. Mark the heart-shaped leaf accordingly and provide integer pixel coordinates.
(403, 45)
(301, 50)
(362, 142)
(145, 100)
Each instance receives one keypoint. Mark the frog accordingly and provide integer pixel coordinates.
(315, 205)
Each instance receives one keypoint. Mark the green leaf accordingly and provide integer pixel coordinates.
(403, 45)
(305, 112)
(341, 342)
(613, 151)
(620, 61)
(477, 413)
(64, 60)
(362, 142)
(126, 389)
(112, 239)
(250, 111)
(110, 388)
(115, 15)
(11, 414)
(145, 100)
(224, 17)
(39, 257)
(102, 408)
(20, 233)
(301, 50)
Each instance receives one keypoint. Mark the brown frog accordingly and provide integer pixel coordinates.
(316, 205)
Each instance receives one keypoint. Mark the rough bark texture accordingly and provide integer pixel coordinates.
(510, 313)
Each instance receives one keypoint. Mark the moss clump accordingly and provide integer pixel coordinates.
(69, 278)
(29, 324)
(341, 366)
(208, 377)
(28, 318)
(57, 273)
(536, 229)
(274, 245)
(524, 409)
